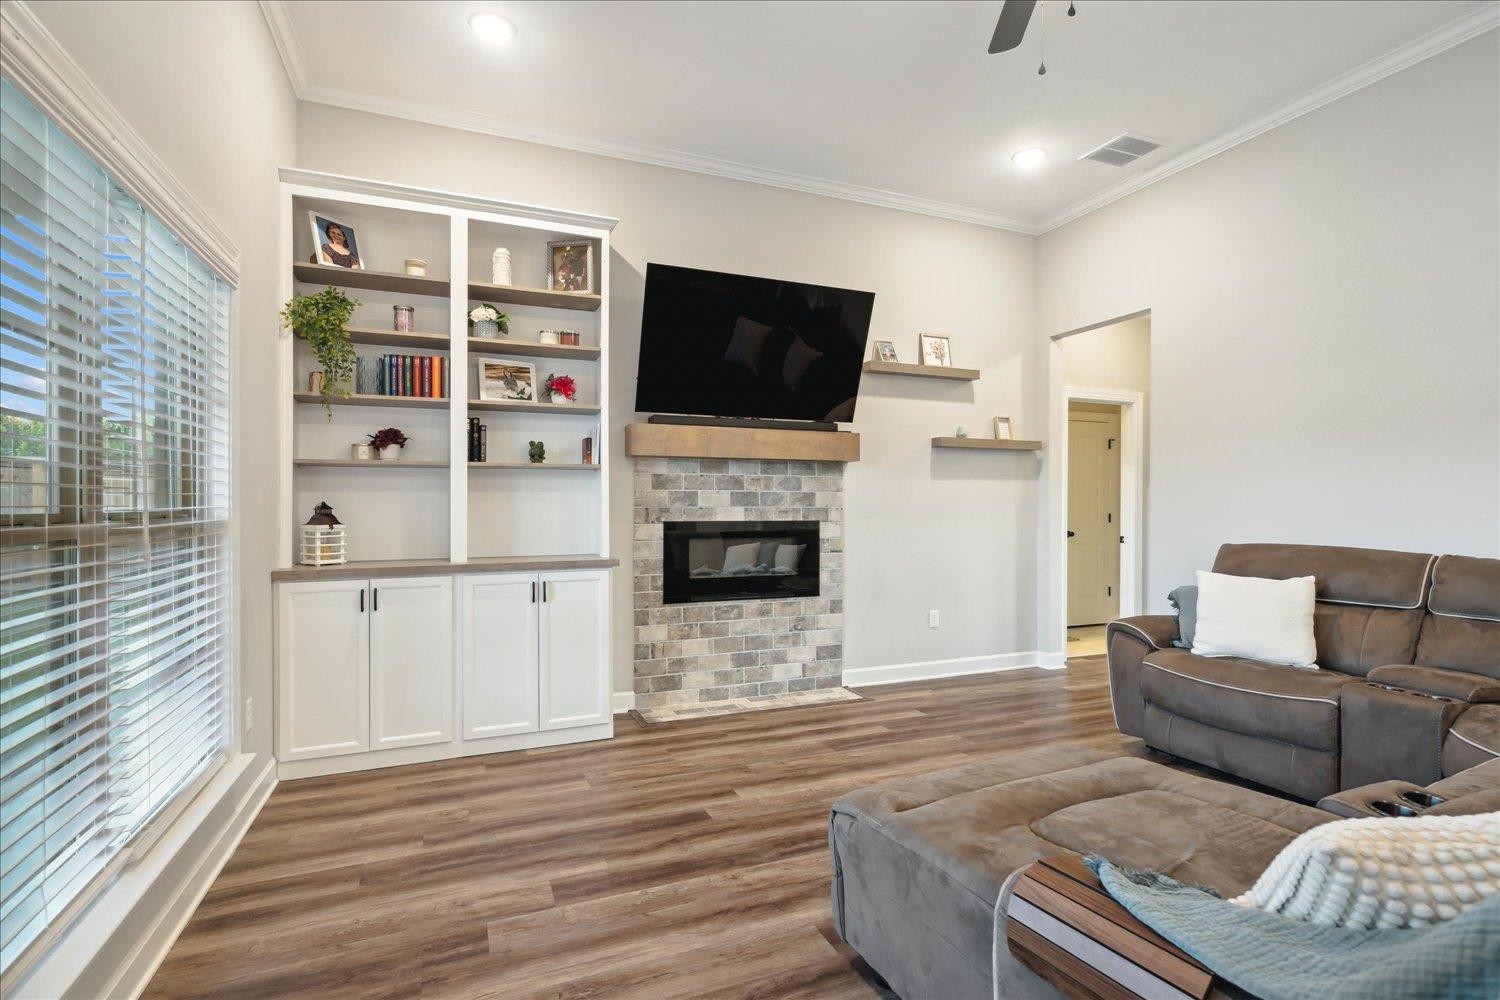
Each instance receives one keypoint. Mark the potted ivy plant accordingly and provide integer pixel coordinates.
(322, 319)
(388, 443)
(488, 321)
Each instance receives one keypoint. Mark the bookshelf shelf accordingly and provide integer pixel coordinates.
(537, 466)
(435, 343)
(356, 399)
(506, 348)
(380, 281)
(519, 295)
(353, 463)
(522, 406)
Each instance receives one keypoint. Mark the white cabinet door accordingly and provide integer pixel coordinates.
(575, 648)
(322, 669)
(411, 661)
(499, 623)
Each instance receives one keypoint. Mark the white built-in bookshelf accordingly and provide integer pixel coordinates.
(434, 504)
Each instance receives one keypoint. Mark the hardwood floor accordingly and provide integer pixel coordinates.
(681, 860)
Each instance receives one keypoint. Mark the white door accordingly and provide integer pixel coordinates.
(411, 661)
(1093, 513)
(575, 648)
(499, 623)
(322, 661)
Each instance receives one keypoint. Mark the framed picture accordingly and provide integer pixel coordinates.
(885, 351)
(934, 350)
(335, 243)
(1002, 429)
(506, 380)
(570, 266)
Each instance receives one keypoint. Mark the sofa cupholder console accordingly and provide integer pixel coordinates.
(1370, 712)
(1382, 798)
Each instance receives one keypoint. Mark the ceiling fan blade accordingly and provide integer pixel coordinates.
(1011, 27)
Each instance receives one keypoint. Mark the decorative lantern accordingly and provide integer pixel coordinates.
(324, 540)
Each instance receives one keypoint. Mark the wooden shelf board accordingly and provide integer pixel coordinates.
(520, 295)
(381, 281)
(537, 466)
(921, 371)
(986, 444)
(694, 441)
(420, 402)
(505, 347)
(393, 338)
(357, 463)
(522, 406)
(374, 569)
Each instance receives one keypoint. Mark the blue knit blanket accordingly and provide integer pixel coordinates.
(1277, 957)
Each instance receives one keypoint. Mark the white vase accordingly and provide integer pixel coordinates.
(558, 397)
(500, 266)
(391, 453)
(487, 328)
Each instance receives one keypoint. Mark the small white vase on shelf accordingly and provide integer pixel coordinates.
(558, 397)
(487, 328)
(500, 267)
(390, 453)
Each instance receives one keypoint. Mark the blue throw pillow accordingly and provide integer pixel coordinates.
(1185, 602)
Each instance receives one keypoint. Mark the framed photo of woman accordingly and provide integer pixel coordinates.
(570, 266)
(335, 243)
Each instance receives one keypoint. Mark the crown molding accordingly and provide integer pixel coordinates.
(1471, 25)
(1440, 40)
(36, 65)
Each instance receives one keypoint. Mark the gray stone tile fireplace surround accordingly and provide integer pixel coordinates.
(691, 653)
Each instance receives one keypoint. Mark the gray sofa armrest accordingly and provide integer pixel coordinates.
(1129, 641)
(1476, 689)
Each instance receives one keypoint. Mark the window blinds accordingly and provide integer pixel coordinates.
(114, 510)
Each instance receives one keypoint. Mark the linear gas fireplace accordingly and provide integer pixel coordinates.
(738, 560)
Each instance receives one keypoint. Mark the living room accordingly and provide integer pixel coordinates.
(495, 511)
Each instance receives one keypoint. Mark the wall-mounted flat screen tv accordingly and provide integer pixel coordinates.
(728, 345)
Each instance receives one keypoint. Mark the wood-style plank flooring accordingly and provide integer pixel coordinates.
(681, 860)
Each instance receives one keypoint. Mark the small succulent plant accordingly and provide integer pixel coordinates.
(537, 452)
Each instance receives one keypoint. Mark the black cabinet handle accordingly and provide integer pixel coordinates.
(544, 591)
(375, 599)
(533, 591)
(361, 600)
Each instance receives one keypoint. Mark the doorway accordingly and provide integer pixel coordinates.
(1093, 532)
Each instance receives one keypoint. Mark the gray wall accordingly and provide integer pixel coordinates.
(925, 530)
(1325, 324)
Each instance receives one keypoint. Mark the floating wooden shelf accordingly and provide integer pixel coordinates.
(381, 281)
(519, 295)
(375, 569)
(522, 406)
(356, 399)
(538, 466)
(367, 463)
(505, 347)
(693, 441)
(921, 371)
(392, 338)
(986, 444)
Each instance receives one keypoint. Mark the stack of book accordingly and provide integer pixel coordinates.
(424, 375)
(479, 445)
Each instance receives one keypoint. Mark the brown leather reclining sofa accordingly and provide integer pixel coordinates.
(1407, 684)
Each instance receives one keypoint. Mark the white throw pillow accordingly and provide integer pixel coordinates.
(1269, 620)
(741, 556)
(788, 556)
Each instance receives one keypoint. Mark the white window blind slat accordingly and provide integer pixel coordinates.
(114, 521)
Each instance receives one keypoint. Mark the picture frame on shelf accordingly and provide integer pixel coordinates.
(506, 381)
(1002, 429)
(335, 242)
(570, 266)
(935, 350)
(885, 351)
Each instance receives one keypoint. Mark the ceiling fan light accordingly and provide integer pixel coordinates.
(492, 27)
(1029, 158)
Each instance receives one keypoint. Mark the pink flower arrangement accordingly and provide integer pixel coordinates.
(563, 385)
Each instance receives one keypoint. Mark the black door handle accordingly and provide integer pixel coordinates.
(1070, 534)
(533, 591)
(361, 600)
(375, 599)
(544, 591)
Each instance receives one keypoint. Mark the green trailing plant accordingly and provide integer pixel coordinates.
(322, 319)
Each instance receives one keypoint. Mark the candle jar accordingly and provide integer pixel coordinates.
(404, 318)
(549, 337)
(569, 337)
(416, 267)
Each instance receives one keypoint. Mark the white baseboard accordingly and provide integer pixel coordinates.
(1052, 661)
(119, 941)
(897, 673)
(622, 701)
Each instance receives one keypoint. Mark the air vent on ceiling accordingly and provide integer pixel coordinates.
(1122, 149)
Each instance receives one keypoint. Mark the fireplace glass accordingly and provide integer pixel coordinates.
(738, 560)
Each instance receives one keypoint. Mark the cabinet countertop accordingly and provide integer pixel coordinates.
(377, 568)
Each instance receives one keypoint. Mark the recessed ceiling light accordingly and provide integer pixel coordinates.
(491, 27)
(1029, 158)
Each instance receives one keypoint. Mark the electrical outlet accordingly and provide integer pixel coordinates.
(249, 722)
(932, 618)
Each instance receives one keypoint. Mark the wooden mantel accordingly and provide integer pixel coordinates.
(692, 441)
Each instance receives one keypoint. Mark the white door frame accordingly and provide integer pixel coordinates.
(1053, 616)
